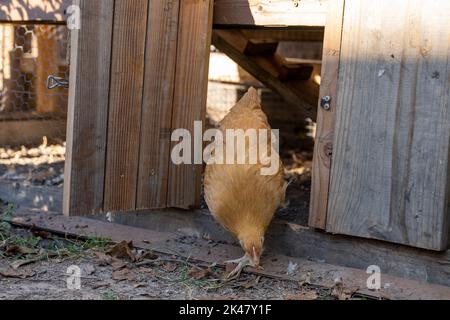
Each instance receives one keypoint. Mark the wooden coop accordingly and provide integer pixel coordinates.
(138, 70)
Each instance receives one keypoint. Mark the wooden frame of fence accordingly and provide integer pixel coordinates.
(226, 12)
(128, 109)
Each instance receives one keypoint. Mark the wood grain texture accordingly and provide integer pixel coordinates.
(286, 34)
(189, 104)
(325, 118)
(390, 171)
(88, 108)
(125, 104)
(301, 94)
(270, 13)
(160, 60)
(46, 64)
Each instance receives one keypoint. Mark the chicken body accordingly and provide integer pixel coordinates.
(240, 197)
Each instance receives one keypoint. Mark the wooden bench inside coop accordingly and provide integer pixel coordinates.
(358, 89)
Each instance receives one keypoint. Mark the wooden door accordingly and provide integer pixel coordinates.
(138, 70)
(389, 177)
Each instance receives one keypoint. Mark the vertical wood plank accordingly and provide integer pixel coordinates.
(8, 62)
(46, 64)
(160, 60)
(325, 118)
(88, 108)
(390, 170)
(191, 80)
(125, 104)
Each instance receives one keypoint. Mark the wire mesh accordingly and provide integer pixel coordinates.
(32, 117)
(29, 53)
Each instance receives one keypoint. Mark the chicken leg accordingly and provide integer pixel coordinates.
(241, 264)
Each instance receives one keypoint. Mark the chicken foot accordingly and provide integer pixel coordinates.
(241, 264)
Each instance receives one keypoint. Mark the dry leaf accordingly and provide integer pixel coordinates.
(123, 250)
(102, 259)
(19, 263)
(147, 270)
(198, 274)
(169, 266)
(42, 234)
(147, 255)
(308, 295)
(139, 285)
(105, 260)
(100, 284)
(123, 274)
(117, 264)
(9, 273)
(11, 250)
(341, 292)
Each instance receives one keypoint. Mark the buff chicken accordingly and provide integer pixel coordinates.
(240, 197)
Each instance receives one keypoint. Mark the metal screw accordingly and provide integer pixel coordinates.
(325, 102)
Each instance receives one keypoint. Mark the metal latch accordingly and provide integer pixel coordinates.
(56, 82)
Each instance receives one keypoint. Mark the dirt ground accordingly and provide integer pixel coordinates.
(36, 165)
(35, 265)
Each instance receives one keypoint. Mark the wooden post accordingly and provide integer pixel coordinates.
(160, 61)
(125, 101)
(88, 108)
(189, 104)
(390, 171)
(323, 148)
(46, 64)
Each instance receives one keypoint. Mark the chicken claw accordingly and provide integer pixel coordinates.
(241, 264)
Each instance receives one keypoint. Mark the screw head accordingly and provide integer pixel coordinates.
(325, 102)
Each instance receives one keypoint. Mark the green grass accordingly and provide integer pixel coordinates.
(76, 248)
(54, 247)
(7, 213)
(109, 295)
(30, 241)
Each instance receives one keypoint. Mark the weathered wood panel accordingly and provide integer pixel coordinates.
(34, 10)
(270, 13)
(161, 52)
(390, 170)
(325, 118)
(301, 94)
(31, 131)
(125, 103)
(46, 64)
(88, 108)
(191, 80)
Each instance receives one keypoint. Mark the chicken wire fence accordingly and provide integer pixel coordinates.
(32, 117)
(29, 54)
